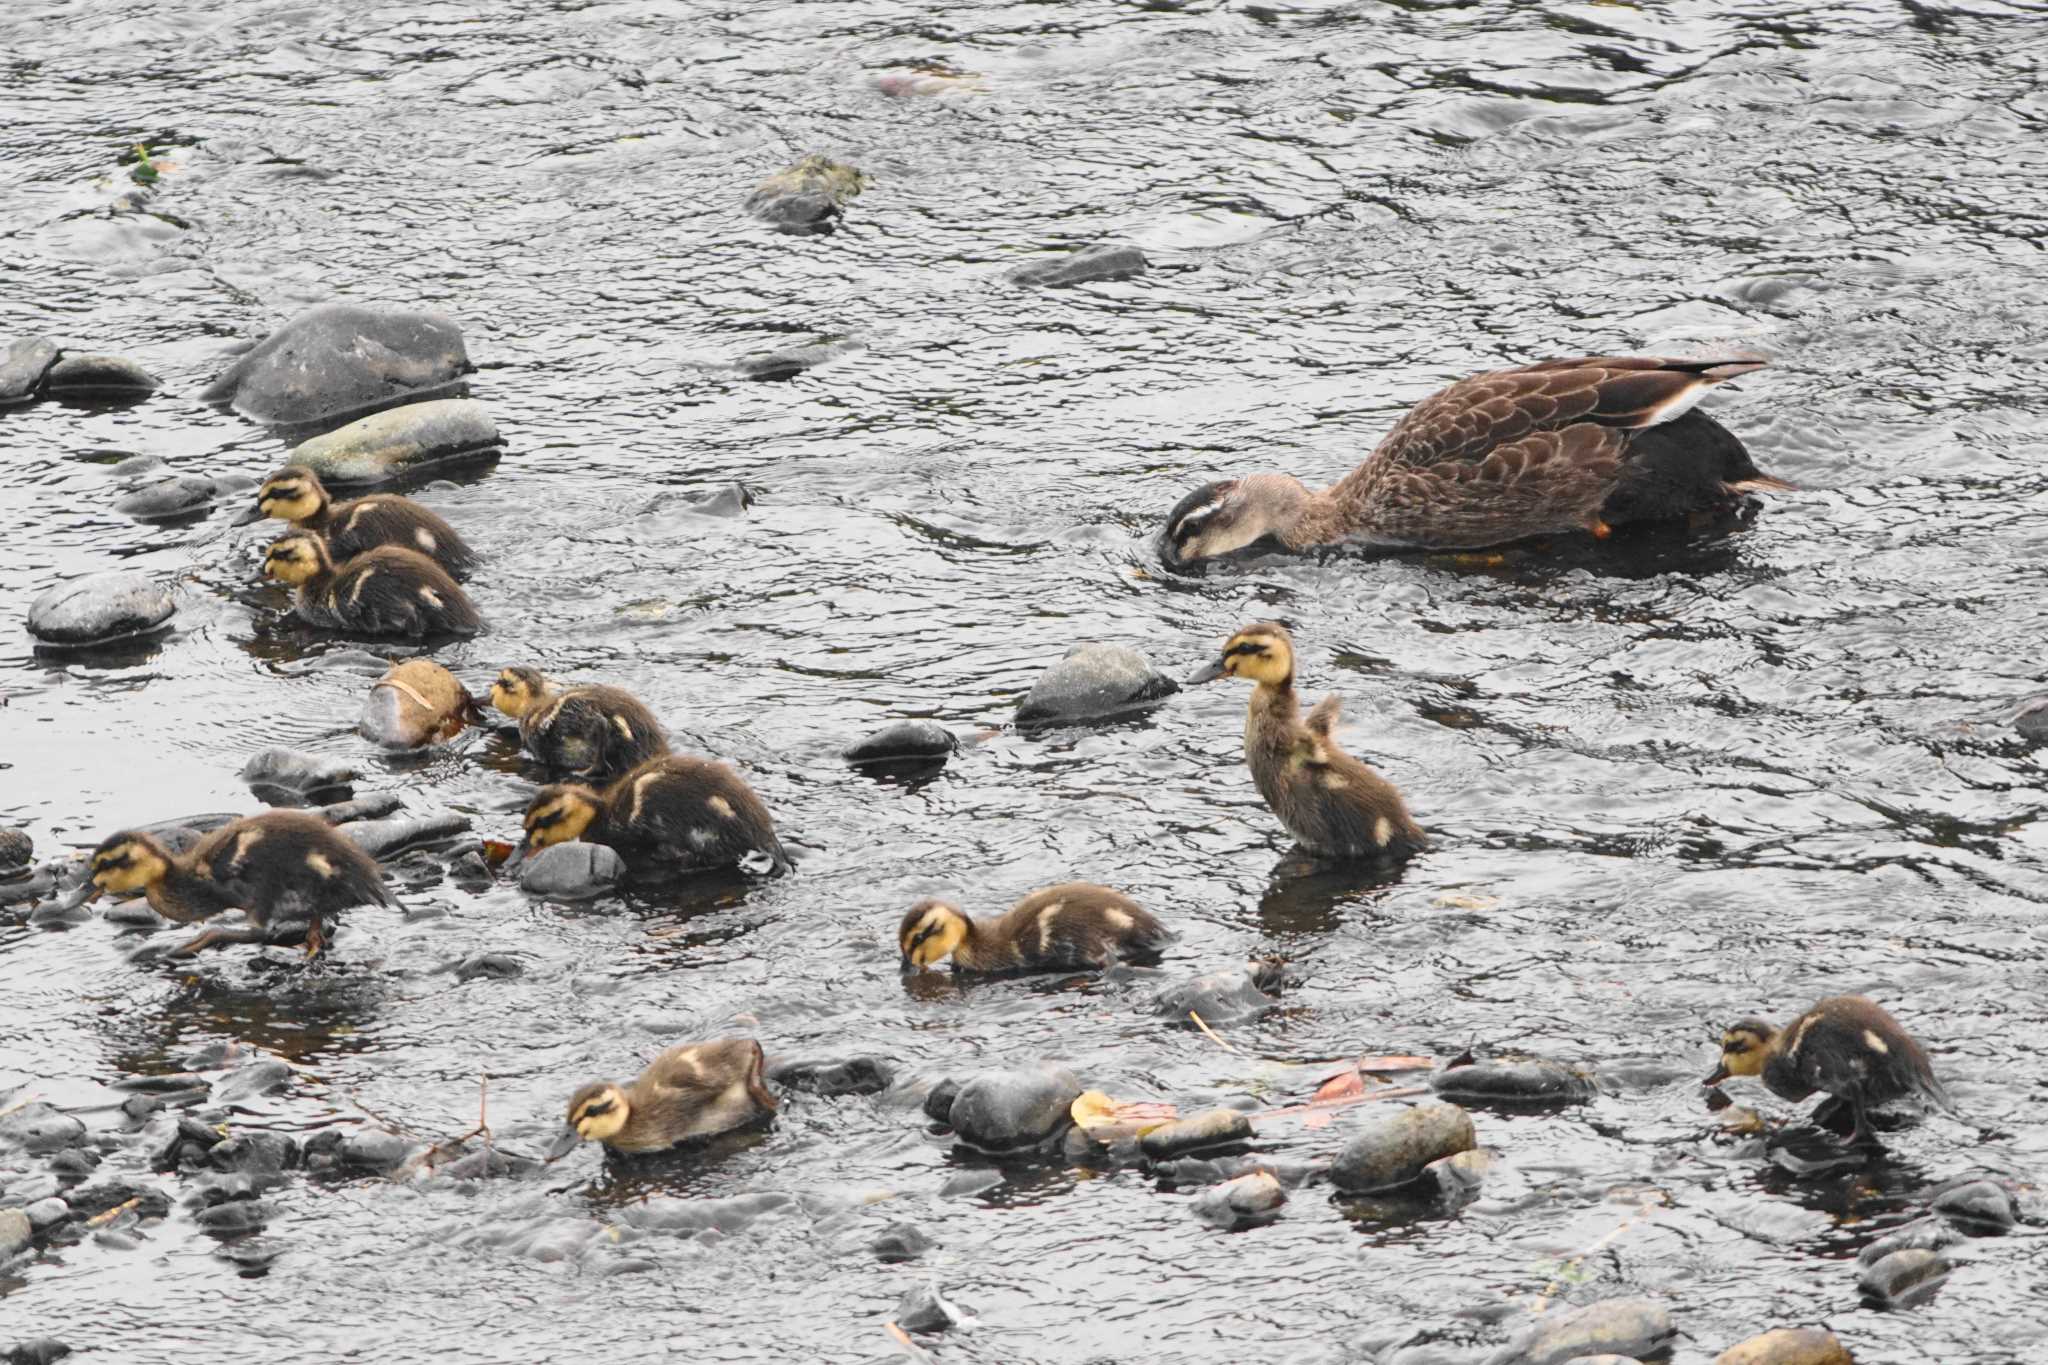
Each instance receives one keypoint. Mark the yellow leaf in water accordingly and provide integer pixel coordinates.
(1453, 900)
(1105, 1118)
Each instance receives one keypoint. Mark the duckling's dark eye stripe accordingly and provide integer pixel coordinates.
(1244, 647)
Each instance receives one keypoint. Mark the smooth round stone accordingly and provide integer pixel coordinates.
(907, 741)
(39, 1129)
(176, 496)
(1922, 1234)
(1788, 1346)
(788, 362)
(22, 369)
(1521, 1080)
(243, 1215)
(572, 871)
(1093, 682)
(839, 1076)
(1396, 1148)
(1981, 1208)
(401, 442)
(16, 1231)
(254, 1153)
(1237, 996)
(100, 609)
(374, 1151)
(85, 375)
(938, 1102)
(1624, 1327)
(1903, 1278)
(417, 702)
(900, 1242)
(383, 838)
(1248, 1201)
(262, 1076)
(289, 770)
(807, 197)
(1108, 261)
(1000, 1110)
(342, 360)
(16, 848)
(1215, 1128)
(137, 465)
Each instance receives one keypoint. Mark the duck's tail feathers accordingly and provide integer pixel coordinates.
(1762, 483)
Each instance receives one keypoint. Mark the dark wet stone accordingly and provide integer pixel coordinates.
(1005, 1109)
(1458, 1177)
(488, 1164)
(301, 774)
(383, 838)
(572, 871)
(374, 1151)
(1108, 261)
(1786, 1346)
(38, 1129)
(494, 966)
(250, 1255)
(735, 1213)
(1904, 1278)
(90, 1201)
(343, 360)
(938, 1104)
(16, 1231)
(1233, 997)
(255, 1154)
(1518, 1080)
(22, 369)
(138, 1108)
(86, 375)
(806, 198)
(1216, 1128)
(238, 1216)
(209, 1190)
(134, 914)
(53, 912)
(2032, 719)
(1922, 1234)
(1396, 1148)
(900, 1242)
(967, 1184)
(375, 806)
(924, 1309)
(176, 496)
(16, 848)
(263, 1076)
(840, 1076)
(1094, 682)
(41, 1351)
(1980, 1208)
(74, 1163)
(401, 443)
(47, 1213)
(1623, 1327)
(1248, 1201)
(100, 609)
(905, 741)
(136, 465)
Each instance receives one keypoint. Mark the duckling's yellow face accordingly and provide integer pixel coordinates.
(930, 933)
(1264, 653)
(558, 815)
(294, 559)
(1745, 1047)
(291, 495)
(516, 691)
(598, 1111)
(128, 863)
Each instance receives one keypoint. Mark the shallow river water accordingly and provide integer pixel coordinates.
(1670, 782)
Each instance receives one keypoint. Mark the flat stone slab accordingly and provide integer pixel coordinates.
(100, 609)
(1109, 261)
(342, 360)
(1630, 1328)
(401, 442)
(88, 375)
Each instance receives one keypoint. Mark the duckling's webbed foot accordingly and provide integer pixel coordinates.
(216, 936)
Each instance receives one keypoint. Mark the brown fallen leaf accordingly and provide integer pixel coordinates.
(496, 851)
(1345, 1083)
(1325, 1107)
(1393, 1064)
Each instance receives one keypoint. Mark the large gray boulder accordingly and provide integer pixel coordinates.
(100, 609)
(343, 360)
(1001, 1110)
(1094, 682)
(401, 443)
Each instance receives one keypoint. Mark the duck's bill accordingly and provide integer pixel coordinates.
(1721, 1073)
(567, 1142)
(907, 966)
(252, 512)
(1208, 672)
(520, 853)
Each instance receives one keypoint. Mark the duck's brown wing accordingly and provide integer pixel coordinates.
(699, 1073)
(1313, 745)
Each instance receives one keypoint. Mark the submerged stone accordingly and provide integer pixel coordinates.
(85, 375)
(1522, 1080)
(22, 369)
(788, 362)
(383, 838)
(907, 741)
(288, 770)
(176, 496)
(375, 806)
(1215, 1128)
(401, 442)
(806, 198)
(1231, 997)
(1094, 682)
(1623, 1327)
(572, 870)
(342, 360)
(1250, 1200)
(925, 1309)
(2032, 719)
(100, 609)
(417, 702)
(1108, 261)
(900, 1242)
(1000, 1110)
(1396, 1148)
(40, 1351)
(1922, 1234)
(38, 1129)
(1788, 1346)
(1979, 1207)
(840, 1076)
(1904, 1278)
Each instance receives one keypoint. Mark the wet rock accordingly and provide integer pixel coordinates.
(1517, 1080)
(85, 375)
(1396, 1148)
(906, 742)
(375, 806)
(1232, 997)
(74, 1163)
(1980, 1208)
(47, 1214)
(292, 773)
(1904, 1278)
(16, 848)
(41, 1351)
(938, 1103)
(161, 499)
(100, 609)
(842, 1076)
(374, 1151)
(787, 362)
(384, 838)
(227, 1189)
(250, 1255)
(186, 1144)
(572, 871)
(1623, 1327)
(417, 702)
(1093, 682)
(1108, 261)
(264, 1076)
(22, 370)
(1922, 1234)
(807, 197)
(16, 1231)
(401, 443)
(1000, 1110)
(900, 1242)
(231, 1219)
(255, 1154)
(967, 1184)
(343, 360)
(1215, 1128)
(39, 1129)
(493, 966)
(136, 465)
(2031, 720)
(925, 1309)
(1248, 1201)
(93, 1200)
(1788, 1346)
(1458, 1177)
(488, 1164)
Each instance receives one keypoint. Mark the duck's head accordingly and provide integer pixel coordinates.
(929, 933)
(598, 1111)
(1745, 1046)
(518, 690)
(293, 493)
(1230, 515)
(296, 558)
(128, 862)
(557, 815)
(1263, 652)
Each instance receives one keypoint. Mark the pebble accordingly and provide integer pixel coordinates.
(1922, 1234)
(1459, 1176)
(842, 1076)
(1108, 261)
(161, 499)
(417, 702)
(40, 1351)
(967, 1184)
(495, 966)
(401, 442)
(375, 1151)
(264, 1076)
(572, 870)
(1623, 1327)
(1001, 1110)
(383, 838)
(1396, 1148)
(1788, 1346)
(906, 742)
(787, 362)
(47, 1213)
(488, 1164)
(100, 609)
(938, 1102)
(39, 1129)
(294, 773)
(238, 1216)
(1237, 996)
(343, 360)
(900, 1242)
(16, 848)
(925, 1309)
(1981, 1208)
(254, 1154)
(375, 806)
(250, 1255)
(22, 370)
(1904, 1278)
(83, 374)
(16, 1231)
(1249, 1201)
(1522, 1080)
(1094, 681)
(807, 197)
(74, 1163)
(1215, 1128)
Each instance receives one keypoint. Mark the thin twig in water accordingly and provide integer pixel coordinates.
(1654, 1200)
(392, 1125)
(106, 1216)
(24, 1102)
(910, 1348)
(482, 1130)
(1385, 1092)
(1213, 1035)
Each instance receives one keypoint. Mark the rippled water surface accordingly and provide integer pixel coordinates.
(1670, 782)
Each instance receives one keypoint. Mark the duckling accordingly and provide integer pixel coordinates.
(1336, 806)
(676, 811)
(386, 591)
(1846, 1045)
(295, 494)
(593, 732)
(1062, 928)
(687, 1092)
(278, 868)
(1561, 445)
